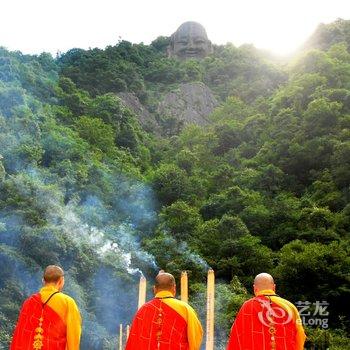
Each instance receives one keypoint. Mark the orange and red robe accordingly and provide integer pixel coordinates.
(61, 322)
(165, 323)
(260, 316)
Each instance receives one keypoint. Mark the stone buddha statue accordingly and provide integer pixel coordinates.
(189, 41)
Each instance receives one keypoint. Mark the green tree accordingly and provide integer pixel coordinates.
(96, 133)
(181, 220)
(171, 183)
(320, 271)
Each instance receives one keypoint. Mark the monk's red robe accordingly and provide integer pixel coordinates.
(165, 323)
(54, 328)
(267, 323)
(61, 322)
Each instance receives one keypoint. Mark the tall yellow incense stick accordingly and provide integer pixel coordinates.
(142, 291)
(210, 310)
(120, 337)
(184, 286)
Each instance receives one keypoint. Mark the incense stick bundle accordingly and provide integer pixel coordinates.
(142, 291)
(184, 286)
(210, 310)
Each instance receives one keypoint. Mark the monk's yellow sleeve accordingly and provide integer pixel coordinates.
(300, 334)
(194, 329)
(73, 325)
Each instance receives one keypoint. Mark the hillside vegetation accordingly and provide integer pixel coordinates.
(264, 187)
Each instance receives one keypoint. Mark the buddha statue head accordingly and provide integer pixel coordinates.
(189, 41)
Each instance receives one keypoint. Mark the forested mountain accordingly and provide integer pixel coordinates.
(265, 186)
(327, 35)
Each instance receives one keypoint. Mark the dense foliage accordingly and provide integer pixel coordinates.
(264, 187)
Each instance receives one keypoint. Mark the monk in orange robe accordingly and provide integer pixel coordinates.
(267, 322)
(48, 320)
(165, 323)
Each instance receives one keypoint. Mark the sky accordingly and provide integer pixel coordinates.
(280, 26)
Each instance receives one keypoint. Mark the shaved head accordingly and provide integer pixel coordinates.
(263, 281)
(164, 281)
(52, 274)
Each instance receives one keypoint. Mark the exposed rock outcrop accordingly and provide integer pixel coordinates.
(145, 118)
(191, 103)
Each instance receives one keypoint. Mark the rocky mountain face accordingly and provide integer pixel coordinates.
(146, 119)
(191, 103)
